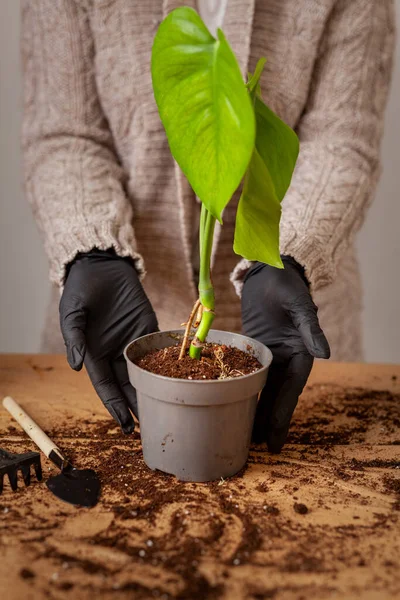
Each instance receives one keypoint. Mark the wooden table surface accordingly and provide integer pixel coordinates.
(153, 537)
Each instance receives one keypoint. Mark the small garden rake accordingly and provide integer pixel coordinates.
(11, 463)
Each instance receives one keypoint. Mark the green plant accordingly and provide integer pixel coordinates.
(220, 132)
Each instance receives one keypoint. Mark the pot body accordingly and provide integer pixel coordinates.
(196, 430)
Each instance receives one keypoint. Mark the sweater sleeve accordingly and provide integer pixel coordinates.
(73, 178)
(340, 133)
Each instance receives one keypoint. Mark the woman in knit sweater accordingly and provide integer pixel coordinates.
(112, 205)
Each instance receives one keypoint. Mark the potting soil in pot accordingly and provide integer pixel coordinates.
(217, 362)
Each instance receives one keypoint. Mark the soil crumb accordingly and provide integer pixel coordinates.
(217, 362)
(26, 574)
(300, 508)
(272, 510)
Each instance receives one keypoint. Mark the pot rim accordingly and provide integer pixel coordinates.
(199, 381)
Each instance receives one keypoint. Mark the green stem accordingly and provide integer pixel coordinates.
(206, 290)
(201, 334)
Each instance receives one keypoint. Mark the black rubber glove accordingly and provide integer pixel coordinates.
(103, 308)
(277, 310)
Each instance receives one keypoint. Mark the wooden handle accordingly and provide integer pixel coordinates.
(31, 428)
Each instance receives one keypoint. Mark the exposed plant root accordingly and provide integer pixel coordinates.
(176, 336)
(226, 372)
(236, 373)
(198, 317)
(219, 359)
(188, 328)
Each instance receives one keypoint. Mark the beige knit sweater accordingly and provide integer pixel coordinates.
(98, 170)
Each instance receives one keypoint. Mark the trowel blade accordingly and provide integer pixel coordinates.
(80, 487)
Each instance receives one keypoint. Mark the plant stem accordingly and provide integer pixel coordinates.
(206, 290)
(201, 334)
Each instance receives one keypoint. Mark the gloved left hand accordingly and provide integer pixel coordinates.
(102, 309)
(277, 310)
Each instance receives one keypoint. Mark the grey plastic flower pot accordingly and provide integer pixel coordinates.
(196, 430)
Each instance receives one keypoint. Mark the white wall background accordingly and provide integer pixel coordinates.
(23, 267)
(23, 271)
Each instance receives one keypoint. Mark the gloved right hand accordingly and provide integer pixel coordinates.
(103, 307)
(278, 310)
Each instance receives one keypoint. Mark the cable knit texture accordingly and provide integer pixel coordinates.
(98, 170)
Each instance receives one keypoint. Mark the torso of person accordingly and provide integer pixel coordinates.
(165, 209)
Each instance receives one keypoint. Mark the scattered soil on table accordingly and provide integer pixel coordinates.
(245, 537)
(392, 485)
(339, 416)
(217, 362)
(375, 463)
(299, 562)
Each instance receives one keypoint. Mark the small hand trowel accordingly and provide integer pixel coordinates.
(76, 486)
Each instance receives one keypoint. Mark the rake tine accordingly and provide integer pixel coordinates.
(38, 469)
(26, 474)
(12, 476)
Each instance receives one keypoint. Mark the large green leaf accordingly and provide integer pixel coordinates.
(265, 184)
(204, 106)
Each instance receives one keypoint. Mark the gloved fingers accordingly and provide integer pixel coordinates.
(295, 378)
(275, 380)
(109, 392)
(304, 316)
(147, 322)
(73, 324)
(120, 370)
